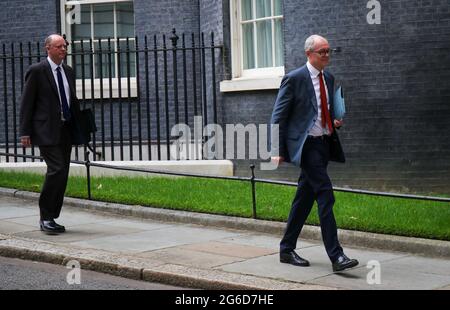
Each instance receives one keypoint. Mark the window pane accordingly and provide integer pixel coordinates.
(83, 30)
(83, 57)
(104, 60)
(247, 9)
(277, 7)
(262, 8)
(279, 55)
(125, 19)
(103, 21)
(123, 59)
(264, 39)
(248, 46)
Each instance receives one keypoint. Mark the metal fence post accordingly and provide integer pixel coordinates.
(5, 98)
(88, 173)
(252, 180)
(174, 38)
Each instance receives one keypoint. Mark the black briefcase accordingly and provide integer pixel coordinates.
(83, 127)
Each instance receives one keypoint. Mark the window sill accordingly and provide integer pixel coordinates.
(248, 84)
(106, 91)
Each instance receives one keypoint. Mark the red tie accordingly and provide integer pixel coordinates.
(326, 119)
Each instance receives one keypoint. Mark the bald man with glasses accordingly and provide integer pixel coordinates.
(307, 138)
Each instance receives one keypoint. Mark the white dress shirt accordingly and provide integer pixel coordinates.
(317, 129)
(66, 83)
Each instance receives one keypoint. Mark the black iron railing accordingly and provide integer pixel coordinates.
(138, 89)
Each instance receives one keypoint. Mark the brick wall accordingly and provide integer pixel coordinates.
(213, 19)
(28, 20)
(396, 77)
(22, 21)
(160, 16)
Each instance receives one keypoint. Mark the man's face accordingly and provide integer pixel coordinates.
(57, 49)
(319, 57)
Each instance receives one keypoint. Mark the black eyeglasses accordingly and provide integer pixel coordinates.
(323, 52)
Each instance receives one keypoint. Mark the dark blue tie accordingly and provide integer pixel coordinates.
(62, 93)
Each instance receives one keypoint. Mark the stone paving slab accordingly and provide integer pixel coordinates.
(425, 265)
(269, 266)
(13, 228)
(410, 273)
(12, 212)
(17, 202)
(80, 233)
(228, 249)
(391, 279)
(217, 280)
(156, 239)
(263, 240)
(67, 218)
(136, 224)
(185, 257)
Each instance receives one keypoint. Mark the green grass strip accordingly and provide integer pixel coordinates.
(397, 216)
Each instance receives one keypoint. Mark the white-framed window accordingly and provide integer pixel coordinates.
(257, 48)
(101, 20)
(258, 36)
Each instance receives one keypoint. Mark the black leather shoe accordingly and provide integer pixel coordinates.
(60, 227)
(343, 262)
(293, 259)
(49, 227)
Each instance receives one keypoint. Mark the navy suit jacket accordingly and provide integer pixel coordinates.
(295, 111)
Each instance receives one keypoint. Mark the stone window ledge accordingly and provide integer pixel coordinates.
(249, 84)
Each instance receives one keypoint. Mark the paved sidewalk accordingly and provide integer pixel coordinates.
(200, 256)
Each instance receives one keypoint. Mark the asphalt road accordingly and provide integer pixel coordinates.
(16, 274)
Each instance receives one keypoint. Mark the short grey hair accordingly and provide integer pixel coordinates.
(311, 41)
(49, 39)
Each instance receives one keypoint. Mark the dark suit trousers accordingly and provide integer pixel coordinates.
(57, 158)
(314, 185)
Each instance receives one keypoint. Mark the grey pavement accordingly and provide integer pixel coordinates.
(200, 256)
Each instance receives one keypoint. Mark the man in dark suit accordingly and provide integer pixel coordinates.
(307, 138)
(49, 108)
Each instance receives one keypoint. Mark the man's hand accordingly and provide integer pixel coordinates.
(26, 141)
(338, 123)
(277, 160)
